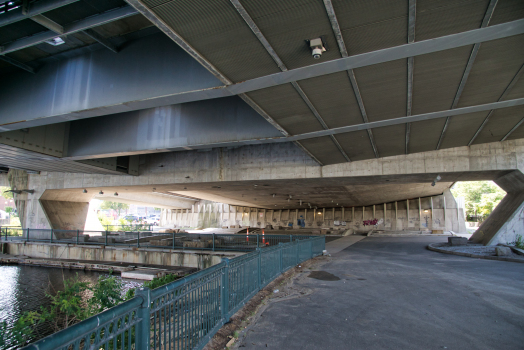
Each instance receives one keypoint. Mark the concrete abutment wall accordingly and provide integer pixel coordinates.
(428, 213)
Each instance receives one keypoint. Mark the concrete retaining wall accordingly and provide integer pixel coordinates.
(166, 257)
(431, 215)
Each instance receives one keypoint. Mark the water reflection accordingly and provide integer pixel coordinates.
(24, 288)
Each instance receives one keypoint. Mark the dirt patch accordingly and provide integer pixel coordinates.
(323, 276)
(250, 312)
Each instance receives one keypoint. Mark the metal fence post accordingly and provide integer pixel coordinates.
(258, 244)
(107, 233)
(225, 290)
(213, 242)
(311, 249)
(77, 233)
(138, 239)
(281, 257)
(143, 329)
(291, 238)
(174, 239)
(51, 235)
(259, 270)
(27, 237)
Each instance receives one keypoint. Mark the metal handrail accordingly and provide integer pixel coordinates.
(186, 313)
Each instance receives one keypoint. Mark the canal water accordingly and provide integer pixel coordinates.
(24, 288)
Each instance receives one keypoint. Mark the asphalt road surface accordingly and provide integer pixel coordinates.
(393, 293)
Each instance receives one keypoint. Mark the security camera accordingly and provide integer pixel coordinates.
(317, 47)
(317, 52)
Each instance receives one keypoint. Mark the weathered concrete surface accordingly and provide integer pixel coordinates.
(507, 220)
(166, 257)
(395, 294)
(434, 213)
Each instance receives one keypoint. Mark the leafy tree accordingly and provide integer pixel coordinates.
(6, 195)
(481, 197)
(115, 206)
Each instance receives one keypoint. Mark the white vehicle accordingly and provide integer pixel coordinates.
(153, 220)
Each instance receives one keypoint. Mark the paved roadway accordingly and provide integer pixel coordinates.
(395, 294)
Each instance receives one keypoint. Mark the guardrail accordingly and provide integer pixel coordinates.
(180, 241)
(184, 314)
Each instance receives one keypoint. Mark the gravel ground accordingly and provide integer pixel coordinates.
(477, 249)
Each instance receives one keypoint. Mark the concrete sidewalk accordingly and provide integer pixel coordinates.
(393, 293)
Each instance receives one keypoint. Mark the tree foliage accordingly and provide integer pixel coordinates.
(481, 197)
(69, 306)
(6, 195)
(115, 206)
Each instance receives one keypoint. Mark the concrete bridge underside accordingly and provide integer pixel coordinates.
(282, 178)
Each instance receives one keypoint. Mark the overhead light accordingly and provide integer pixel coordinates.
(437, 179)
(84, 191)
(426, 211)
(116, 194)
(100, 192)
(56, 41)
(319, 213)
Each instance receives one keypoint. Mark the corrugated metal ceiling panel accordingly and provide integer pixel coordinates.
(19, 30)
(372, 25)
(436, 79)
(333, 97)
(437, 18)
(507, 11)
(461, 129)
(424, 135)
(517, 91)
(288, 24)
(496, 64)
(390, 140)
(356, 145)
(216, 30)
(384, 89)
(285, 105)
(324, 149)
(499, 124)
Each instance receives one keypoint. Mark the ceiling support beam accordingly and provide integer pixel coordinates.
(17, 64)
(412, 17)
(260, 36)
(103, 41)
(487, 17)
(504, 94)
(34, 9)
(411, 119)
(49, 24)
(512, 129)
(90, 22)
(417, 48)
(139, 6)
(351, 74)
(321, 133)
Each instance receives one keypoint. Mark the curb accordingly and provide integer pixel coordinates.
(445, 251)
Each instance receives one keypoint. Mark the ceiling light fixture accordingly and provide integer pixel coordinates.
(437, 179)
(84, 191)
(100, 192)
(116, 194)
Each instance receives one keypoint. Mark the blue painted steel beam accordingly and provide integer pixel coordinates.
(99, 83)
(163, 129)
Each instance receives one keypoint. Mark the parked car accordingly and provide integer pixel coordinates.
(153, 220)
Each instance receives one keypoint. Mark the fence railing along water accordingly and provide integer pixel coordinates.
(149, 239)
(184, 314)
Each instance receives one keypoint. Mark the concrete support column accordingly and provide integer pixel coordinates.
(507, 220)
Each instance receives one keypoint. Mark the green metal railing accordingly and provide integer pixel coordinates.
(130, 227)
(141, 239)
(184, 314)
